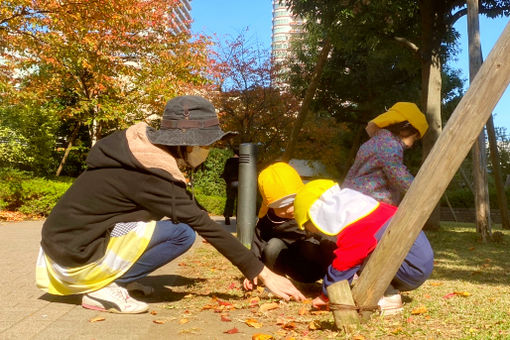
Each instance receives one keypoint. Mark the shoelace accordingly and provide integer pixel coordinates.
(120, 292)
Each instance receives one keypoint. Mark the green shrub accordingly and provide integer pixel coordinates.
(20, 191)
(40, 195)
(11, 187)
(207, 180)
(213, 204)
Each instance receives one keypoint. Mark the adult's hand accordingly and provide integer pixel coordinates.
(279, 285)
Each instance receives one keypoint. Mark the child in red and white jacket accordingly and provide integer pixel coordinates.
(358, 221)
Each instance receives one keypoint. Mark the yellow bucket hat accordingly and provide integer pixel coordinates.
(330, 208)
(307, 196)
(278, 185)
(401, 112)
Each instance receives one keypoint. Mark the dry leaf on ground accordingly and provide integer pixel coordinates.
(97, 318)
(419, 310)
(268, 306)
(261, 336)
(225, 318)
(253, 323)
(232, 331)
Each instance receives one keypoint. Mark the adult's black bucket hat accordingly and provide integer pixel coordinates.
(188, 120)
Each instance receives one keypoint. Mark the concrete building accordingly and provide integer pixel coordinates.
(285, 26)
(182, 16)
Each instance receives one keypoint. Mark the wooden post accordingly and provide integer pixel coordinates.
(445, 158)
(340, 299)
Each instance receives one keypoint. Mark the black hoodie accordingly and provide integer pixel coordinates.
(129, 179)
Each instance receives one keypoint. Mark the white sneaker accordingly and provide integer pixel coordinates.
(114, 299)
(138, 287)
(391, 304)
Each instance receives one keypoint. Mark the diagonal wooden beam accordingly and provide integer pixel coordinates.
(444, 159)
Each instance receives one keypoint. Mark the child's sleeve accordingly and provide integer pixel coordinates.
(333, 275)
(392, 163)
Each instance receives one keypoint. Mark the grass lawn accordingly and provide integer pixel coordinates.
(467, 297)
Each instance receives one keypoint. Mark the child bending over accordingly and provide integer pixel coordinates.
(358, 222)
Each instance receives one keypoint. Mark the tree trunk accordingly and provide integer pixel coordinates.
(479, 158)
(305, 106)
(72, 138)
(500, 186)
(431, 90)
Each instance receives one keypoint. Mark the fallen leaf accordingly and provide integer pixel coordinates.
(183, 321)
(268, 306)
(188, 296)
(436, 284)
(463, 294)
(419, 310)
(358, 337)
(261, 336)
(449, 295)
(260, 289)
(182, 264)
(153, 312)
(159, 322)
(289, 325)
(397, 330)
(223, 303)
(232, 331)
(314, 325)
(303, 310)
(97, 318)
(254, 301)
(253, 323)
(225, 318)
(307, 302)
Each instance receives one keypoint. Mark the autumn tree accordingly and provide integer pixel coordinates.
(99, 65)
(250, 103)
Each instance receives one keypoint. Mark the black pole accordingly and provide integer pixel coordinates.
(247, 193)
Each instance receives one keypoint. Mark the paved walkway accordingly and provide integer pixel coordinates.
(28, 313)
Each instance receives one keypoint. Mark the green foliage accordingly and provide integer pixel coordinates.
(40, 195)
(207, 180)
(213, 204)
(14, 148)
(10, 186)
(27, 138)
(20, 191)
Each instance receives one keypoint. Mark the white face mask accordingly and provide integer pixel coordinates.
(196, 156)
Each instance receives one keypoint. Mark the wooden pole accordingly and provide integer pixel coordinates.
(342, 304)
(445, 158)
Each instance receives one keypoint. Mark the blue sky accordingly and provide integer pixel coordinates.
(224, 18)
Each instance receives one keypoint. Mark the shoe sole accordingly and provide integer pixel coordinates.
(110, 309)
(392, 311)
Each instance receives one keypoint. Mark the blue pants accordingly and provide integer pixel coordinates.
(168, 242)
(417, 265)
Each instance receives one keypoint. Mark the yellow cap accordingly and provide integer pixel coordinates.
(279, 182)
(307, 196)
(401, 112)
